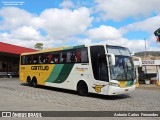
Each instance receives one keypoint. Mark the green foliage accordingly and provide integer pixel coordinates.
(39, 46)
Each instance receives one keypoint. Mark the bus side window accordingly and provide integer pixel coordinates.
(40, 59)
(43, 58)
(28, 59)
(50, 58)
(55, 57)
(56, 60)
(35, 59)
(84, 55)
(23, 60)
(73, 57)
(78, 56)
(63, 57)
(68, 59)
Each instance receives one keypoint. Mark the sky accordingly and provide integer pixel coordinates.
(128, 23)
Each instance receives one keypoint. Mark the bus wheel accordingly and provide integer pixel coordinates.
(28, 81)
(34, 82)
(82, 88)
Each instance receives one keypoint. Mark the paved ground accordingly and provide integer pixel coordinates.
(19, 97)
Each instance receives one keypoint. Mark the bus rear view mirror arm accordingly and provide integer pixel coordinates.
(111, 58)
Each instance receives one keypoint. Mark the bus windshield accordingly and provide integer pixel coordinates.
(123, 69)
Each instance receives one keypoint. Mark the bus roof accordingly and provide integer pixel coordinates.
(65, 48)
(55, 49)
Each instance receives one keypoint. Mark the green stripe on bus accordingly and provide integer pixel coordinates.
(55, 72)
(64, 73)
(130, 83)
(78, 46)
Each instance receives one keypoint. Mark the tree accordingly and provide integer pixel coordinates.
(157, 34)
(39, 46)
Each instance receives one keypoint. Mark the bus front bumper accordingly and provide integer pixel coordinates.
(113, 90)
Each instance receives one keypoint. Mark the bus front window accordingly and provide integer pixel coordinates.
(123, 68)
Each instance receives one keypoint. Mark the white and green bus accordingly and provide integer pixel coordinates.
(101, 69)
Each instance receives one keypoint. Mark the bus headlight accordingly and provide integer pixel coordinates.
(114, 84)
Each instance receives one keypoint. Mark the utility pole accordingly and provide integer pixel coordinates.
(145, 57)
(145, 47)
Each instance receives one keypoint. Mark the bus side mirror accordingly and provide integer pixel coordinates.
(111, 58)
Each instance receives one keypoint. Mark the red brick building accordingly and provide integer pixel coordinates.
(9, 57)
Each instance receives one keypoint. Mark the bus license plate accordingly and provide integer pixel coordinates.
(126, 90)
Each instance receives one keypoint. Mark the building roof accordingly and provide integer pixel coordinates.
(14, 49)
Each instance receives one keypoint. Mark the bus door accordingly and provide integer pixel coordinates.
(99, 65)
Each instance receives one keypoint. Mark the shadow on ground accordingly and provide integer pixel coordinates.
(105, 97)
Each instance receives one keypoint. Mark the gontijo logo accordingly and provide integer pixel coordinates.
(39, 67)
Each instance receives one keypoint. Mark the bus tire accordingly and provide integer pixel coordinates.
(34, 82)
(82, 88)
(28, 81)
